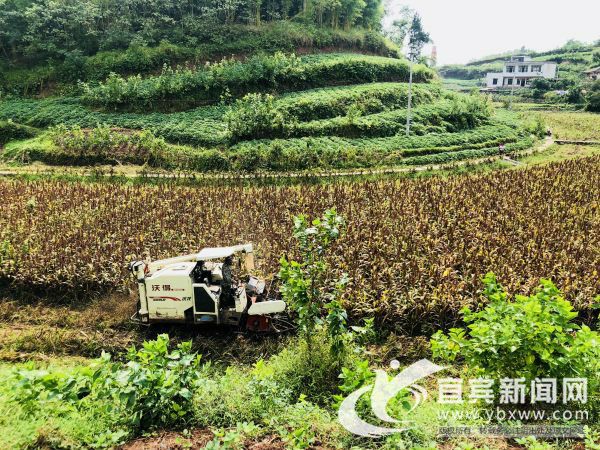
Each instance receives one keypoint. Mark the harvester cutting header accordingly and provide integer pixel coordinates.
(203, 288)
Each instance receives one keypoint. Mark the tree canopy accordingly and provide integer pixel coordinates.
(57, 29)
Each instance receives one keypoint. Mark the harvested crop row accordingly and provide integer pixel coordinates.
(415, 250)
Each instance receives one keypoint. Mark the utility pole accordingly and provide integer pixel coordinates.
(410, 78)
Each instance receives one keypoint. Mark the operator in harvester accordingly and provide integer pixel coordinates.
(227, 283)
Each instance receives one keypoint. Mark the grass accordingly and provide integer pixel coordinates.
(457, 84)
(518, 105)
(582, 126)
(557, 153)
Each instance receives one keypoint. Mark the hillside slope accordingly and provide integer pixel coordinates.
(277, 86)
(47, 45)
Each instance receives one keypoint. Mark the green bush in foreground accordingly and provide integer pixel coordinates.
(530, 337)
(152, 390)
(157, 387)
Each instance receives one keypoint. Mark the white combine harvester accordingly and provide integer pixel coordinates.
(201, 289)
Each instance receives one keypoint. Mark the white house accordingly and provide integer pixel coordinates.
(519, 71)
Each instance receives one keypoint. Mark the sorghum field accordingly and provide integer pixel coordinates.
(415, 249)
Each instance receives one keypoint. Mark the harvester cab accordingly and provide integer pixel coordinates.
(214, 286)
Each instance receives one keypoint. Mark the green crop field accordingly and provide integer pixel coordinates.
(357, 125)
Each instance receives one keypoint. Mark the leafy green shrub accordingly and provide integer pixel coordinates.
(254, 117)
(106, 145)
(305, 286)
(10, 131)
(592, 98)
(470, 111)
(536, 126)
(527, 337)
(134, 59)
(153, 389)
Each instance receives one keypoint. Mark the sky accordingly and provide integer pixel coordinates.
(463, 30)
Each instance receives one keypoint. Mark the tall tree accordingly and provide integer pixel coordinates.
(256, 5)
(351, 11)
(417, 38)
(372, 14)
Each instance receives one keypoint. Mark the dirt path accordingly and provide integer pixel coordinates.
(42, 329)
(197, 439)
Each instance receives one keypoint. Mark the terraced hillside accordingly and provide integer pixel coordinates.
(278, 113)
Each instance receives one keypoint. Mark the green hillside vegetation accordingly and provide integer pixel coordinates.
(47, 45)
(227, 86)
(180, 88)
(329, 128)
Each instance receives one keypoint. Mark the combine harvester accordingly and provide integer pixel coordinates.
(202, 288)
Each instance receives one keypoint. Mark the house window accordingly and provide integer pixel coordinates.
(509, 81)
(536, 68)
(523, 69)
(510, 68)
(495, 81)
